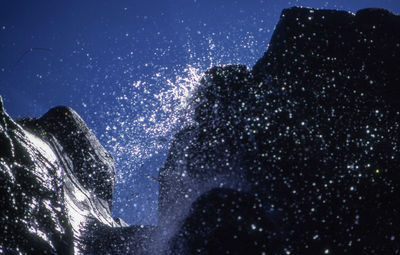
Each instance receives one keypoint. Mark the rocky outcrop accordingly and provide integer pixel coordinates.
(92, 164)
(360, 50)
(226, 221)
(312, 133)
(57, 184)
(206, 154)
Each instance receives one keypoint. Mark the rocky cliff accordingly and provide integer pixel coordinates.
(310, 136)
(57, 184)
(299, 155)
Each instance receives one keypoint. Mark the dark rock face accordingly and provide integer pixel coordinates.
(309, 46)
(219, 224)
(333, 126)
(203, 155)
(314, 136)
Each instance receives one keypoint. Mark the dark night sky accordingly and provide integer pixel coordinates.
(124, 66)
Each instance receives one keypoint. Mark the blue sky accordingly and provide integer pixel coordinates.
(119, 63)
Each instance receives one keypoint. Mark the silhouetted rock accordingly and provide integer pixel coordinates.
(225, 221)
(310, 46)
(206, 155)
(314, 135)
